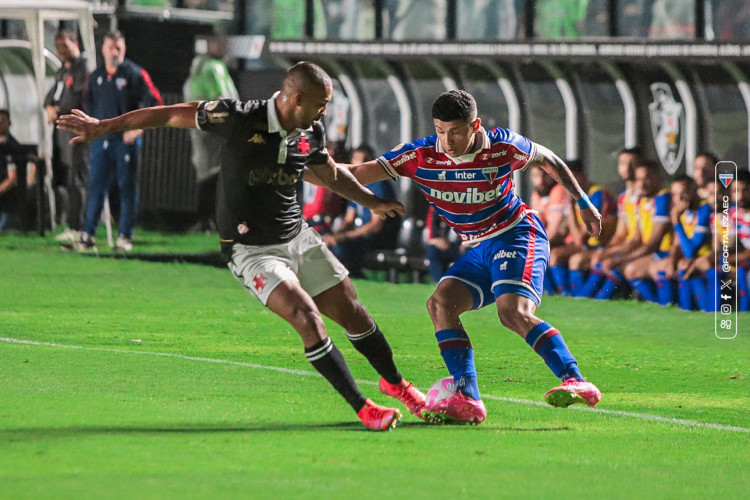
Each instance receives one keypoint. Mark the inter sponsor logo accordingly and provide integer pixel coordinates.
(465, 175)
(406, 157)
(273, 176)
(470, 195)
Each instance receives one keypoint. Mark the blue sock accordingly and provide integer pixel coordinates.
(698, 291)
(549, 344)
(560, 276)
(458, 354)
(549, 282)
(664, 292)
(743, 301)
(645, 288)
(593, 282)
(614, 280)
(576, 282)
(684, 292)
(709, 299)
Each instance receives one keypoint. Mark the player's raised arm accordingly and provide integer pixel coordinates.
(342, 182)
(556, 167)
(368, 172)
(88, 128)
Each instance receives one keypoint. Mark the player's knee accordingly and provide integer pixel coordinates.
(438, 306)
(632, 271)
(575, 260)
(511, 315)
(553, 257)
(307, 321)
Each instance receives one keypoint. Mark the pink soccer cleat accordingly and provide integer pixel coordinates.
(573, 391)
(406, 393)
(457, 409)
(378, 417)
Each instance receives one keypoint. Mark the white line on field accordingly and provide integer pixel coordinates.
(641, 416)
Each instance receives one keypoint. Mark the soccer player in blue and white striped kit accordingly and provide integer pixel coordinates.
(465, 172)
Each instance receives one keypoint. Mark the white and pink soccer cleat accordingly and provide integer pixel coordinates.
(573, 391)
(457, 409)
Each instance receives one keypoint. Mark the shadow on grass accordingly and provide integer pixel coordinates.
(24, 434)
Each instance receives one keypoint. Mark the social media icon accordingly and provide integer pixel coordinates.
(726, 309)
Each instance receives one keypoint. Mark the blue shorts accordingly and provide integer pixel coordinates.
(512, 262)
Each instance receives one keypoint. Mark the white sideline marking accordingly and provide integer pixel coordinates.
(641, 416)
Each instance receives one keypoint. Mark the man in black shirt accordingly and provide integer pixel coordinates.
(70, 161)
(268, 146)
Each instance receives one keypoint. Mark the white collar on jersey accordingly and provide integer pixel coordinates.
(274, 126)
(468, 156)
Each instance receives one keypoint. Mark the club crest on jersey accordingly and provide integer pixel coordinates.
(242, 228)
(257, 139)
(120, 83)
(490, 173)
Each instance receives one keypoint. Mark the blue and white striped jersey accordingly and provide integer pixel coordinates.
(473, 193)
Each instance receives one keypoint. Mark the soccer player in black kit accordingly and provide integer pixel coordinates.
(268, 145)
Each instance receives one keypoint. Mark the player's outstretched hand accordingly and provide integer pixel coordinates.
(84, 126)
(592, 220)
(388, 208)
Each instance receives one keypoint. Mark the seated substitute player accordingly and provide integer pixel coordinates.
(701, 275)
(578, 239)
(652, 240)
(361, 230)
(550, 200)
(269, 249)
(465, 172)
(627, 208)
(691, 221)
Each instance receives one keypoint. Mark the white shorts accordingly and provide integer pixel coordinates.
(305, 259)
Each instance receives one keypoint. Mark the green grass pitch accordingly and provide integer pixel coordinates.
(127, 379)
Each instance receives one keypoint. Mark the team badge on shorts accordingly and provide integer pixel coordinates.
(259, 282)
(242, 228)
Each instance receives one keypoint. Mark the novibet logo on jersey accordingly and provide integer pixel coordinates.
(470, 195)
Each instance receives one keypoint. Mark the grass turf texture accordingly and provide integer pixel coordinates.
(104, 421)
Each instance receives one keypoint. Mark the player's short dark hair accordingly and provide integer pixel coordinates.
(367, 150)
(308, 72)
(67, 35)
(712, 158)
(454, 105)
(5, 112)
(114, 35)
(575, 165)
(635, 151)
(689, 181)
(651, 165)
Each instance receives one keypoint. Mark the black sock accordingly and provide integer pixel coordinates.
(373, 346)
(327, 359)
